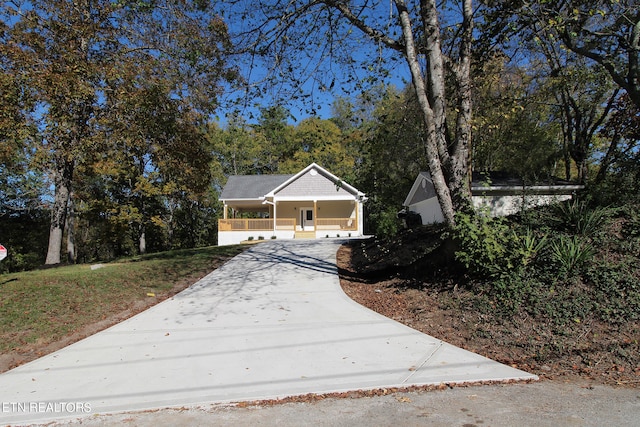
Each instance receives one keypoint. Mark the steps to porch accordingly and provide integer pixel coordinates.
(305, 235)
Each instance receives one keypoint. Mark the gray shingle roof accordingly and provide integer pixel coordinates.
(251, 186)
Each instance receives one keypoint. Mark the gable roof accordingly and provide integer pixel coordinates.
(422, 189)
(504, 180)
(316, 181)
(312, 181)
(251, 186)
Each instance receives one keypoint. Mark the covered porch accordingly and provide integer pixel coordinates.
(289, 219)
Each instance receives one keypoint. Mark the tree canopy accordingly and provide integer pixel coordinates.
(109, 110)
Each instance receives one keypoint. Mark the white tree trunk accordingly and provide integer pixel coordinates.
(433, 108)
(71, 235)
(62, 182)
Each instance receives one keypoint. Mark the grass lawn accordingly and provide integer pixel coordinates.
(43, 306)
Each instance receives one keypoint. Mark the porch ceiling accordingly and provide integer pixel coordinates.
(247, 205)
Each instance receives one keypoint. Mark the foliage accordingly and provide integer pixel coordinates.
(571, 253)
(389, 153)
(604, 32)
(383, 223)
(483, 244)
(105, 78)
(578, 217)
(568, 280)
(529, 245)
(24, 234)
(512, 129)
(617, 290)
(322, 142)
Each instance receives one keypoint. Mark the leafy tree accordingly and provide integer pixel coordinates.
(583, 96)
(389, 158)
(236, 149)
(513, 129)
(299, 38)
(606, 32)
(619, 170)
(76, 56)
(275, 134)
(322, 142)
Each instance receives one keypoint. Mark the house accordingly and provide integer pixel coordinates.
(502, 194)
(311, 204)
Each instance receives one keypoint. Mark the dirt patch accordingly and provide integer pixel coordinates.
(591, 351)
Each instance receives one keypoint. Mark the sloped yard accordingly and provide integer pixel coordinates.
(577, 332)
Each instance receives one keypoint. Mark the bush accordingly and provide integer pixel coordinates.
(577, 218)
(571, 253)
(384, 223)
(483, 244)
(528, 246)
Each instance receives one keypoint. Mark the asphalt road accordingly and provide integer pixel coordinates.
(542, 403)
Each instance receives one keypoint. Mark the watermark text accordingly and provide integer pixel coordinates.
(45, 407)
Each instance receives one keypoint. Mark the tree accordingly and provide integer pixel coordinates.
(514, 129)
(75, 54)
(622, 154)
(320, 141)
(275, 136)
(606, 32)
(389, 158)
(285, 33)
(237, 150)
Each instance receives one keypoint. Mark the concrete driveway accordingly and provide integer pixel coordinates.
(272, 322)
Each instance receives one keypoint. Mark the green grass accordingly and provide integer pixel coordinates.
(45, 305)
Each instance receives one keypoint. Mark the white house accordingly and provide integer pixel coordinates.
(500, 193)
(311, 204)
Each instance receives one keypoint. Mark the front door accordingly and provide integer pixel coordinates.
(307, 222)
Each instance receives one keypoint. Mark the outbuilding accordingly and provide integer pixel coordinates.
(499, 193)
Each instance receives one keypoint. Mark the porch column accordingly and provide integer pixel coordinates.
(224, 211)
(315, 215)
(360, 216)
(357, 208)
(275, 216)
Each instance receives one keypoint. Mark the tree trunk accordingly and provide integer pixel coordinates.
(435, 138)
(142, 241)
(71, 231)
(63, 175)
(460, 175)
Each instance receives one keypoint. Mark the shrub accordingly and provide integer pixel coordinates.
(571, 253)
(576, 217)
(250, 238)
(260, 237)
(529, 245)
(482, 244)
(384, 223)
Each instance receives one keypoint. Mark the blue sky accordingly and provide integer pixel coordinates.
(355, 61)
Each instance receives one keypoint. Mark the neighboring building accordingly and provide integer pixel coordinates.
(500, 193)
(311, 204)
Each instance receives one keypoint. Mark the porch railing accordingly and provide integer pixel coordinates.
(247, 224)
(250, 224)
(336, 224)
